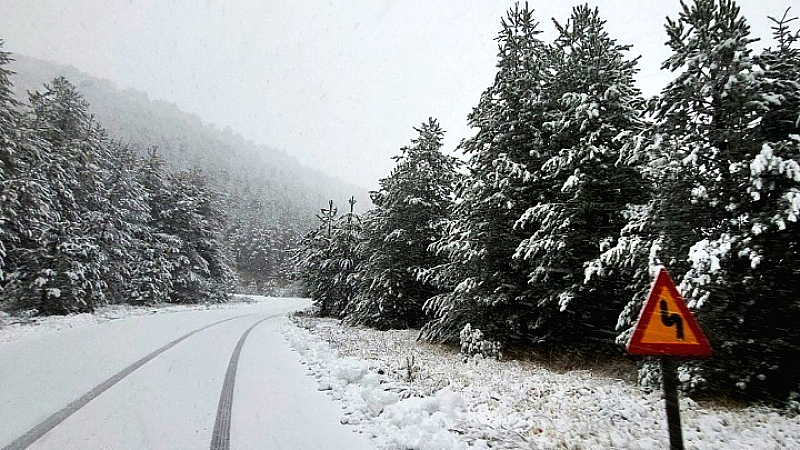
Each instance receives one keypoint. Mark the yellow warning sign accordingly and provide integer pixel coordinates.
(666, 326)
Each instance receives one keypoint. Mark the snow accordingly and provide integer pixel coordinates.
(571, 183)
(171, 401)
(13, 328)
(391, 391)
(280, 408)
(412, 395)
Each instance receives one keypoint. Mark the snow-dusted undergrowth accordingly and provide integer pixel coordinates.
(411, 395)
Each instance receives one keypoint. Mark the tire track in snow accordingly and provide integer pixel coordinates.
(221, 438)
(51, 422)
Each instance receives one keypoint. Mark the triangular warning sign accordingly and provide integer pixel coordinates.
(666, 326)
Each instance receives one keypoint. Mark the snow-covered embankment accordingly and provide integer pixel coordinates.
(414, 395)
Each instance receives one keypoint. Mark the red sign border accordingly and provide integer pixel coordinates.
(702, 349)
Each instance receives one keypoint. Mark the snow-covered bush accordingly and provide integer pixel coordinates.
(793, 403)
(473, 343)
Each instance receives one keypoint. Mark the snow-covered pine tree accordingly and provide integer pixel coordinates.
(122, 223)
(723, 216)
(152, 277)
(482, 284)
(344, 259)
(326, 259)
(313, 264)
(63, 271)
(594, 108)
(779, 85)
(410, 204)
(307, 258)
(744, 274)
(200, 269)
(12, 167)
(24, 199)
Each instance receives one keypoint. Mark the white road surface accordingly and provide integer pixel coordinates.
(170, 401)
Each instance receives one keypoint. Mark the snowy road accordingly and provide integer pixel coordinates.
(167, 381)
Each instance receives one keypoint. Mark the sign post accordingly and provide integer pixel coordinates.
(669, 375)
(666, 328)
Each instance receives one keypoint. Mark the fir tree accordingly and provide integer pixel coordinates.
(63, 271)
(593, 109)
(412, 200)
(482, 283)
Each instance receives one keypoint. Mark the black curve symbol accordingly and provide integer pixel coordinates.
(671, 320)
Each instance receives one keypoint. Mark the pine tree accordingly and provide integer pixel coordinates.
(745, 269)
(482, 283)
(327, 258)
(779, 83)
(344, 259)
(152, 278)
(122, 223)
(10, 170)
(26, 207)
(593, 108)
(191, 215)
(412, 200)
(722, 216)
(63, 270)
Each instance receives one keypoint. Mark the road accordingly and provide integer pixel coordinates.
(218, 379)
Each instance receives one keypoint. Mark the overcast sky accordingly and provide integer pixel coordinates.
(339, 84)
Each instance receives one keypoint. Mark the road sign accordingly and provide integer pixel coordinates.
(666, 327)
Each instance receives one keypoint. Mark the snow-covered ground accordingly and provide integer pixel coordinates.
(13, 328)
(411, 395)
(400, 393)
(171, 400)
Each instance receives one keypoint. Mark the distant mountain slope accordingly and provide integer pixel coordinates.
(183, 138)
(271, 198)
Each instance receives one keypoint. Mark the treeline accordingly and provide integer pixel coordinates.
(268, 196)
(576, 188)
(86, 220)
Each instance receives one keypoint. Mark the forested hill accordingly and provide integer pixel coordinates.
(270, 198)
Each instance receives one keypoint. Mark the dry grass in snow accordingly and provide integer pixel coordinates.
(412, 395)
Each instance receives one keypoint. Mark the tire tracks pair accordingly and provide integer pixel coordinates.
(221, 436)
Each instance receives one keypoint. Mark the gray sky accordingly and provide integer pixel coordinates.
(337, 83)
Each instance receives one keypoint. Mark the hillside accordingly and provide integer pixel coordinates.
(269, 197)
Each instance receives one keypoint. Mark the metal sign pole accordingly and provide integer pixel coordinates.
(669, 376)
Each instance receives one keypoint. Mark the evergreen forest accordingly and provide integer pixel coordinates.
(574, 189)
(257, 201)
